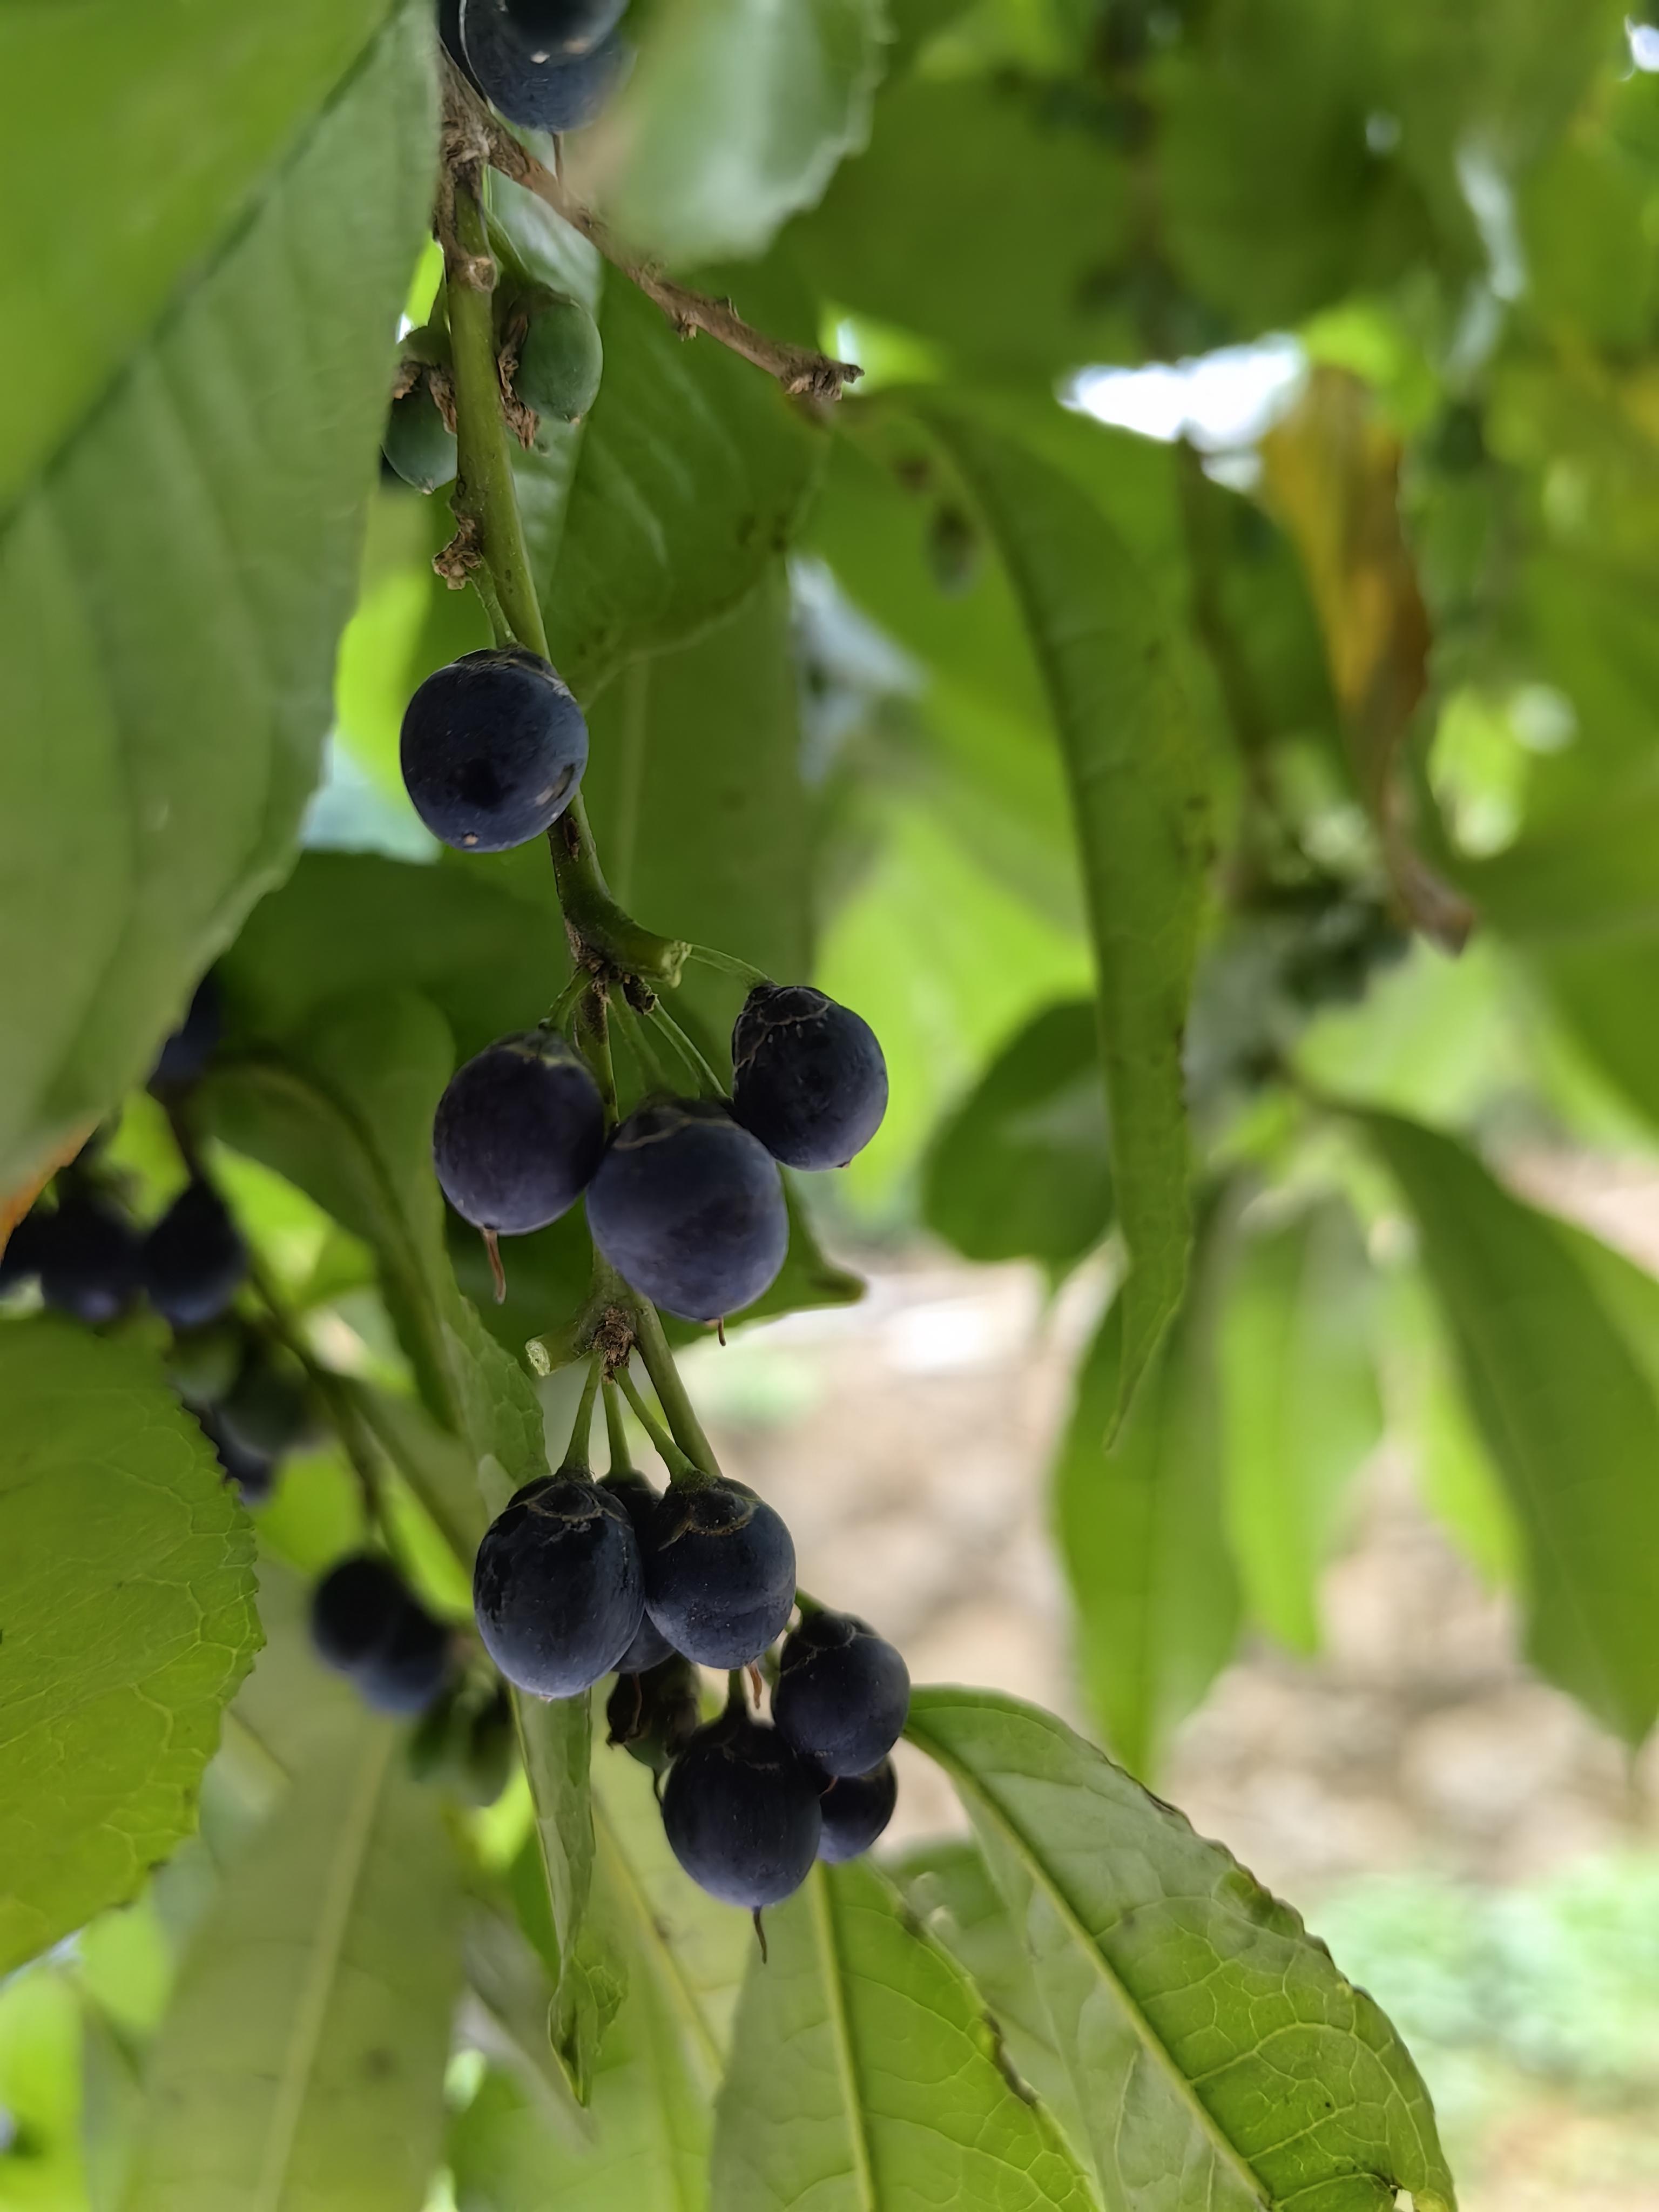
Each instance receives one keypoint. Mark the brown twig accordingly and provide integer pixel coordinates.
(803, 374)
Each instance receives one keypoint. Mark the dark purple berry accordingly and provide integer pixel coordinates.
(557, 1586)
(492, 750)
(193, 1259)
(740, 1811)
(518, 1133)
(689, 1209)
(531, 82)
(843, 1693)
(720, 1572)
(366, 1623)
(855, 1810)
(266, 1411)
(654, 1715)
(808, 1077)
(186, 1054)
(253, 1473)
(449, 31)
(87, 1259)
(554, 28)
(650, 1648)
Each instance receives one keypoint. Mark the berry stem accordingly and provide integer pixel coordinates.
(707, 956)
(578, 1457)
(615, 1431)
(639, 1043)
(593, 1043)
(688, 1052)
(679, 1467)
(671, 1394)
(485, 503)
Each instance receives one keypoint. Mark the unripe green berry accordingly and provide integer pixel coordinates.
(417, 444)
(560, 359)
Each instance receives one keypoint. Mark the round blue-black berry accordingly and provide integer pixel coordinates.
(193, 1260)
(653, 1714)
(449, 31)
(650, 1648)
(186, 1054)
(530, 81)
(518, 1133)
(366, 1623)
(740, 1810)
(689, 1209)
(855, 1810)
(87, 1259)
(808, 1077)
(720, 1572)
(492, 749)
(843, 1693)
(557, 1586)
(253, 1473)
(554, 28)
(267, 1410)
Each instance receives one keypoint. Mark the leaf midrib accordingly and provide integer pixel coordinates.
(823, 1935)
(299, 2058)
(670, 1973)
(968, 1786)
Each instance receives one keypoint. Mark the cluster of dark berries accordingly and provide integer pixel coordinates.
(545, 65)
(367, 1624)
(579, 1579)
(684, 1198)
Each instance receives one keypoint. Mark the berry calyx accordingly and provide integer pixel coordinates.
(527, 79)
(87, 1258)
(689, 1209)
(518, 1133)
(366, 1623)
(492, 750)
(557, 1586)
(561, 358)
(719, 1571)
(740, 1811)
(193, 1260)
(855, 1810)
(843, 1693)
(808, 1077)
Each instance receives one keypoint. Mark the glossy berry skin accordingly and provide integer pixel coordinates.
(808, 1077)
(557, 1586)
(843, 1693)
(654, 1715)
(689, 1209)
(650, 1648)
(449, 31)
(518, 1133)
(417, 442)
(492, 749)
(530, 82)
(560, 28)
(193, 1259)
(720, 1572)
(367, 1624)
(87, 1259)
(184, 1058)
(741, 1813)
(561, 360)
(855, 1810)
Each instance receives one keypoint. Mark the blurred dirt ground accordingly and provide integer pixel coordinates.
(1411, 1783)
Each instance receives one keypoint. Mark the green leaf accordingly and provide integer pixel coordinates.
(1570, 1416)
(126, 1598)
(301, 2065)
(660, 510)
(180, 567)
(1302, 1408)
(1222, 2060)
(200, 105)
(736, 115)
(1140, 1529)
(1020, 1170)
(1139, 792)
(865, 2075)
(1453, 1468)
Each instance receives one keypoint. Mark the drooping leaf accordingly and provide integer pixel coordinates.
(1220, 2056)
(1140, 1529)
(300, 2064)
(661, 510)
(178, 567)
(1139, 797)
(1569, 1414)
(1302, 1409)
(126, 1604)
(864, 2077)
(1020, 1169)
(736, 115)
